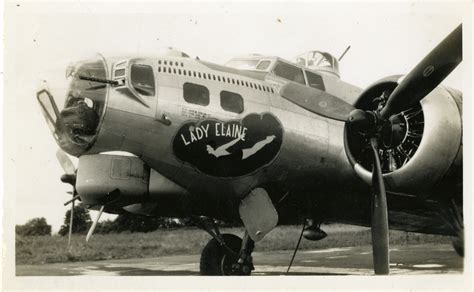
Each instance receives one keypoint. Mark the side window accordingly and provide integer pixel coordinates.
(142, 79)
(315, 81)
(195, 93)
(289, 72)
(232, 102)
(263, 65)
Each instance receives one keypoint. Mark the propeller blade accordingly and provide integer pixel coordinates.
(317, 101)
(379, 222)
(428, 74)
(70, 224)
(65, 162)
(94, 224)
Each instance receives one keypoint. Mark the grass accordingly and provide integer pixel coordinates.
(53, 249)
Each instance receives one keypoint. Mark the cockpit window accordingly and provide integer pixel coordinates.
(142, 79)
(243, 64)
(263, 65)
(289, 72)
(315, 80)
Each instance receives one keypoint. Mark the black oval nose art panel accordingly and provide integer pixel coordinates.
(232, 148)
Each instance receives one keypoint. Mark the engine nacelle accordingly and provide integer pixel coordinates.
(104, 179)
(431, 145)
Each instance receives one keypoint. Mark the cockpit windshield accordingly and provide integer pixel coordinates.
(243, 64)
(250, 63)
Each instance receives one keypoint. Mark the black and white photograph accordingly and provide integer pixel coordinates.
(237, 145)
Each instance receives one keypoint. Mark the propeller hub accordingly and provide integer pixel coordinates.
(362, 121)
(69, 179)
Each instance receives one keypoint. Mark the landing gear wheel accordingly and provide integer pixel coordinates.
(216, 260)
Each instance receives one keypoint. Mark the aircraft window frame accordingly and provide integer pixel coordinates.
(263, 61)
(320, 82)
(159, 69)
(165, 63)
(286, 74)
(231, 101)
(196, 94)
(49, 109)
(174, 70)
(159, 62)
(148, 83)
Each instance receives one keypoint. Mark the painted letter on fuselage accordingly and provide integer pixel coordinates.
(217, 147)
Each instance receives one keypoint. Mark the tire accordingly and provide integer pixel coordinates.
(458, 245)
(216, 260)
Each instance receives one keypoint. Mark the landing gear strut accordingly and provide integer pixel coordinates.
(225, 254)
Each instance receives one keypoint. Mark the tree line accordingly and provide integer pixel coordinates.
(123, 223)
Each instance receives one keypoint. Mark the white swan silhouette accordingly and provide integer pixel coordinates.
(246, 153)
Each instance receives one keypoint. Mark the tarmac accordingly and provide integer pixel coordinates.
(425, 259)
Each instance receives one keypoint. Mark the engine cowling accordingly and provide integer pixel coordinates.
(427, 145)
(121, 181)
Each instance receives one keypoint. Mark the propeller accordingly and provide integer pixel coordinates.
(428, 74)
(377, 124)
(94, 224)
(379, 219)
(69, 177)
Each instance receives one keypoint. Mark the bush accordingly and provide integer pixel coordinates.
(140, 223)
(81, 221)
(34, 227)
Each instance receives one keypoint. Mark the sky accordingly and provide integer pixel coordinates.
(42, 38)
